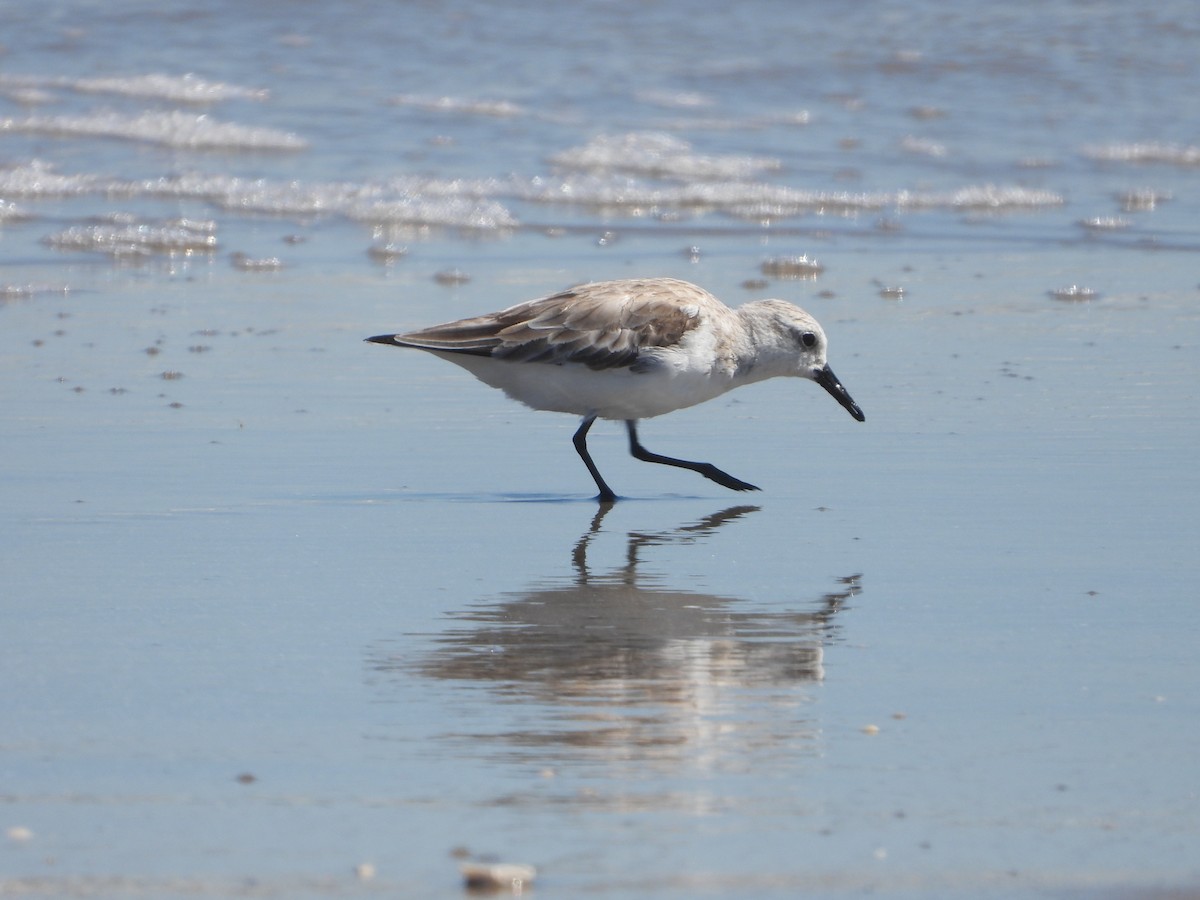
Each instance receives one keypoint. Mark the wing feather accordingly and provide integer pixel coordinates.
(603, 325)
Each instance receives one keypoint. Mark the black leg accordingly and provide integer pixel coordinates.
(708, 470)
(580, 442)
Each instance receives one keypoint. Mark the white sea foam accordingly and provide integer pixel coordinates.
(408, 201)
(460, 105)
(25, 291)
(28, 96)
(758, 200)
(1104, 223)
(411, 201)
(187, 88)
(923, 147)
(1151, 152)
(38, 180)
(449, 212)
(10, 212)
(661, 155)
(125, 238)
(1142, 199)
(985, 196)
(674, 99)
(172, 129)
(478, 204)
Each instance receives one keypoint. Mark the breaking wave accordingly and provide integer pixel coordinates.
(170, 129)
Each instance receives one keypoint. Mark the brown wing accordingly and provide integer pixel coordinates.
(603, 325)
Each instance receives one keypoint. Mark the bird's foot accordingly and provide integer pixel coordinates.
(712, 473)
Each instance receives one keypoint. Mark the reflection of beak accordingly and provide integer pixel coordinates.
(826, 379)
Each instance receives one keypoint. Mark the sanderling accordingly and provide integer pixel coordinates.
(629, 350)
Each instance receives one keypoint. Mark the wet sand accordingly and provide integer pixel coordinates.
(285, 613)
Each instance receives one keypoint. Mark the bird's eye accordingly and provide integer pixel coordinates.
(808, 339)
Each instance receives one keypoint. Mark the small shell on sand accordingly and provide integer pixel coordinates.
(1073, 293)
(387, 253)
(451, 277)
(799, 267)
(512, 877)
(248, 264)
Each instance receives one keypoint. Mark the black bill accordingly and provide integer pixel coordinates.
(826, 379)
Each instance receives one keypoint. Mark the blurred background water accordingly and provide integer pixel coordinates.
(287, 613)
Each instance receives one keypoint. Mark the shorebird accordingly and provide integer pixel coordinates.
(630, 350)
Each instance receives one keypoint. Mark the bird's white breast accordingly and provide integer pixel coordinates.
(666, 384)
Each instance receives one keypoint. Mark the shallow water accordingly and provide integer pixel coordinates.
(279, 604)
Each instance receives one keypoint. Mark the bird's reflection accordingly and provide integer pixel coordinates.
(622, 664)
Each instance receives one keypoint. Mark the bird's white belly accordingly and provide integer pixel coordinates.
(606, 393)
